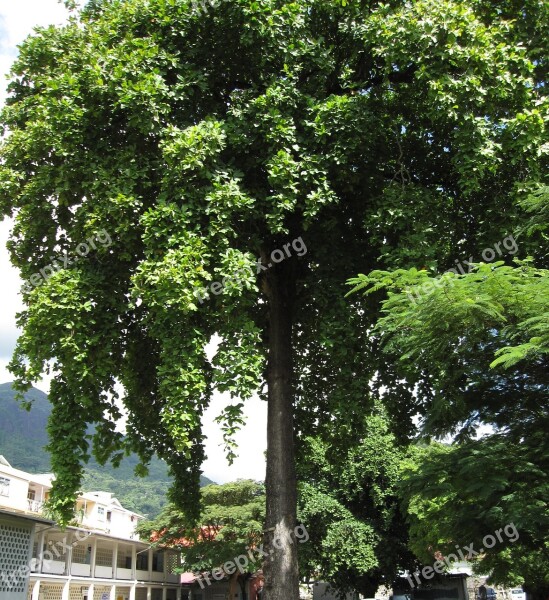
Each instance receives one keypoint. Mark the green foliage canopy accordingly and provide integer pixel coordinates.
(476, 346)
(231, 523)
(455, 496)
(350, 506)
(201, 141)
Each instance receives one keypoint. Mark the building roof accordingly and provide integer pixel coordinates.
(26, 516)
(44, 479)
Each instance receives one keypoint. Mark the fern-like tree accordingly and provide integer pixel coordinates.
(476, 346)
(155, 149)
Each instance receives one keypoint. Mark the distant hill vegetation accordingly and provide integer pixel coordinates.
(23, 436)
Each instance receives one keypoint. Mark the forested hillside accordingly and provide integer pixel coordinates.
(23, 436)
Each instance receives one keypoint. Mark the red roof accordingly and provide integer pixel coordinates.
(207, 533)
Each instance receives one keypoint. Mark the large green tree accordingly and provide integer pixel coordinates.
(212, 146)
(488, 499)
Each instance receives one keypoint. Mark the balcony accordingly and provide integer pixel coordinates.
(61, 553)
(34, 506)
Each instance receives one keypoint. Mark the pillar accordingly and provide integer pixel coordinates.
(40, 557)
(115, 560)
(134, 562)
(93, 557)
(36, 590)
(66, 595)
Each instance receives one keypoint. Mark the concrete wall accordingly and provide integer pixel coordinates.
(15, 495)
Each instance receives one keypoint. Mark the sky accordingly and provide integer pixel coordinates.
(17, 20)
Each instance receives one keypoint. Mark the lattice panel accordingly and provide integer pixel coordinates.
(75, 592)
(51, 592)
(141, 594)
(80, 554)
(123, 555)
(55, 542)
(172, 562)
(14, 554)
(103, 557)
(124, 592)
(99, 591)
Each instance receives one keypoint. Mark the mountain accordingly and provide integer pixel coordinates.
(23, 436)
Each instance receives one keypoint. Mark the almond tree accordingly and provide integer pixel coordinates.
(244, 160)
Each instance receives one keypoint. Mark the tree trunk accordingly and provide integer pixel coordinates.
(281, 570)
(242, 581)
(535, 592)
(232, 586)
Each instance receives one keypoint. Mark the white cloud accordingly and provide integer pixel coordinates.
(17, 20)
(251, 439)
(10, 301)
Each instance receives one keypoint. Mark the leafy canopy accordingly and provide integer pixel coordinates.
(231, 523)
(385, 134)
(476, 346)
(349, 504)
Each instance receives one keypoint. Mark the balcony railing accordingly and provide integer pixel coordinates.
(34, 506)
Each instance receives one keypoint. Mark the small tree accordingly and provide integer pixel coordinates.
(349, 504)
(230, 530)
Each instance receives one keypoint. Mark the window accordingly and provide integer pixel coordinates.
(31, 494)
(101, 513)
(4, 486)
(143, 561)
(158, 562)
(109, 516)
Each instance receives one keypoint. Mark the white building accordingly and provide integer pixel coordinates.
(101, 511)
(100, 558)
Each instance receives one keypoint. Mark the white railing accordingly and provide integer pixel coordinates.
(35, 506)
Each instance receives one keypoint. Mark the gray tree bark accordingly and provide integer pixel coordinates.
(281, 567)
